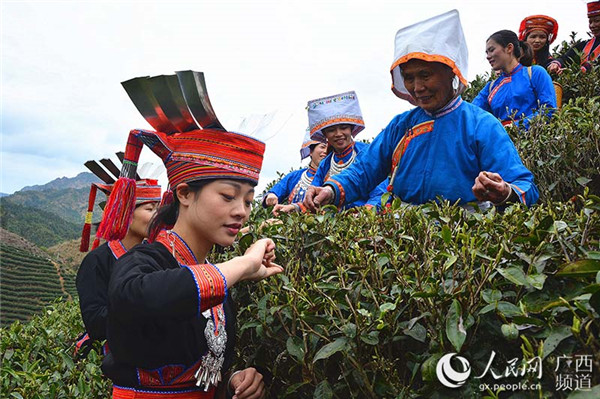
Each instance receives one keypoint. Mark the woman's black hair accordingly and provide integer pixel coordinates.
(522, 50)
(166, 215)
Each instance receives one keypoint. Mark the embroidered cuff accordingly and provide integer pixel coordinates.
(338, 191)
(211, 286)
(520, 193)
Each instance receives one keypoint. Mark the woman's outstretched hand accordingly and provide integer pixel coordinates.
(260, 257)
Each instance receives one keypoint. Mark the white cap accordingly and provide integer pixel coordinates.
(335, 110)
(318, 138)
(437, 39)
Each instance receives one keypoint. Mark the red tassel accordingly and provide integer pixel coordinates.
(85, 238)
(118, 211)
(96, 243)
(87, 227)
(167, 198)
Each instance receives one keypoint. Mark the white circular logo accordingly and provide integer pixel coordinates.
(450, 377)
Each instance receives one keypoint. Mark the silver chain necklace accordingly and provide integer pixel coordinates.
(335, 168)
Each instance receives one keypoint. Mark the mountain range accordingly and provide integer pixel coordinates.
(50, 213)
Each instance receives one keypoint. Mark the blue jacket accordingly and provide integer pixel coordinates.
(518, 94)
(369, 197)
(436, 155)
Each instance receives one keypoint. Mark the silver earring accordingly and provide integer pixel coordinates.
(455, 83)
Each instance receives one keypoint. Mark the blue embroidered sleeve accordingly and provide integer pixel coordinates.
(371, 166)
(285, 186)
(319, 178)
(375, 195)
(497, 153)
(482, 98)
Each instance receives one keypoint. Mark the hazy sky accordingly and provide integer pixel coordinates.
(62, 63)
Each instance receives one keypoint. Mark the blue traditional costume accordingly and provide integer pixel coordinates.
(292, 187)
(518, 95)
(335, 110)
(440, 154)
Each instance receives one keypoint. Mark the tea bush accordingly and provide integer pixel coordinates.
(38, 362)
(367, 299)
(370, 302)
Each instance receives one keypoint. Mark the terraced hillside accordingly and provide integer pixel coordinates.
(28, 283)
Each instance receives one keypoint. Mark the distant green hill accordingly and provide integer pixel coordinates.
(69, 204)
(83, 179)
(38, 226)
(29, 283)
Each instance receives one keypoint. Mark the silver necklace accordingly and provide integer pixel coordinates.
(335, 168)
(209, 372)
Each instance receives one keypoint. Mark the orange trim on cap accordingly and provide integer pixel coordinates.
(430, 58)
(337, 121)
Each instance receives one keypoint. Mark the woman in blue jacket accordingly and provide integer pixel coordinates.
(521, 91)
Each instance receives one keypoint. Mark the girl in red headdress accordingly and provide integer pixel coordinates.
(95, 269)
(171, 320)
(540, 32)
(589, 50)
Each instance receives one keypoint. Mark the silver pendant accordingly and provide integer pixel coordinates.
(209, 372)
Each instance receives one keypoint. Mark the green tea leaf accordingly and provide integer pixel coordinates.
(556, 337)
(331, 348)
(583, 180)
(490, 295)
(537, 280)
(323, 391)
(455, 330)
(582, 267)
(446, 234)
(371, 338)
(387, 307)
(295, 347)
(417, 332)
(515, 275)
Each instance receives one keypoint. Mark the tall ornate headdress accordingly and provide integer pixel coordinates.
(593, 8)
(309, 141)
(147, 190)
(189, 139)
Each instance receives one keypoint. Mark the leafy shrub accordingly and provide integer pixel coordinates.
(367, 299)
(37, 358)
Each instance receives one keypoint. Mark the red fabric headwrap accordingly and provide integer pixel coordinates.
(593, 8)
(539, 22)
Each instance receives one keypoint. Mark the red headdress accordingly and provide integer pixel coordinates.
(539, 22)
(593, 8)
(147, 190)
(190, 150)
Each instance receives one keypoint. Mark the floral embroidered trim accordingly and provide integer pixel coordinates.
(520, 192)
(336, 120)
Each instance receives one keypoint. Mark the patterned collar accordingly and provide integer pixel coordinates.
(311, 171)
(345, 155)
(177, 246)
(446, 109)
(117, 248)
